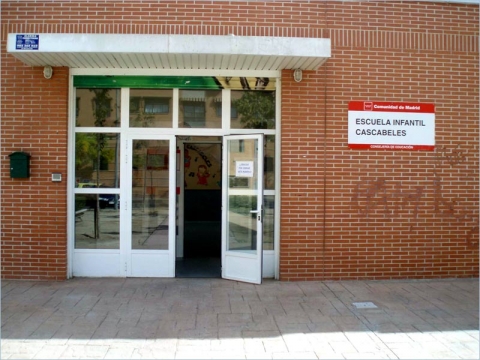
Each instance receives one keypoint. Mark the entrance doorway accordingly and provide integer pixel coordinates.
(220, 207)
(200, 207)
(187, 194)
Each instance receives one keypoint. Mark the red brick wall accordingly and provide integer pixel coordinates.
(385, 214)
(383, 51)
(33, 210)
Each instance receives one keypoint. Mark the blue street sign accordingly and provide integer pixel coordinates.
(27, 41)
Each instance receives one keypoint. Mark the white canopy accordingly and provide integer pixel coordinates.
(141, 51)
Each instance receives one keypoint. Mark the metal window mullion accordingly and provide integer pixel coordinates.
(175, 108)
(226, 104)
(124, 225)
(71, 178)
(277, 199)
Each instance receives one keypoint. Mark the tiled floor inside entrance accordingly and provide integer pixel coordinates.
(220, 319)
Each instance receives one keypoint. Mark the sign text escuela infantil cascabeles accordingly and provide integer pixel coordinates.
(391, 125)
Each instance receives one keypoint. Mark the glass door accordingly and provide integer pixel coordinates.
(242, 213)
(150, 207)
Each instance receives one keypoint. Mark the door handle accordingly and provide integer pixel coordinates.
(259, 212)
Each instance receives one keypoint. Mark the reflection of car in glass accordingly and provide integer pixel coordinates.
(109, 200)
(90, 200)
(85, 185)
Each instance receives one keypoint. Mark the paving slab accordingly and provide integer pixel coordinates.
(91, 318)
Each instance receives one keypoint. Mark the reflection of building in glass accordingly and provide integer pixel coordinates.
(97, 105)
(151, 108)
(198, 109)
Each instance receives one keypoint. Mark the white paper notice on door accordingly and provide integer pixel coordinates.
(244, 169)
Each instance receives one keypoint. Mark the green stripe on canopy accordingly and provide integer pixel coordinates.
(151, 82)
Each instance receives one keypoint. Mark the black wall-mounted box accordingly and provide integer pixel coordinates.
(19, 165)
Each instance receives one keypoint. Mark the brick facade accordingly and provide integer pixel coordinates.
(346, 214)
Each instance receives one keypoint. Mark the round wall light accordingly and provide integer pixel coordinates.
(47, 72)
(297, 75)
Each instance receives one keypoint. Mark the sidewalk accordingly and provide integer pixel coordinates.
(220, 319)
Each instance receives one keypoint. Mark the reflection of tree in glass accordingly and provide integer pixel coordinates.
(90, 148)
(257, 109)
(242, 204)
(85, 155)
(141, 118)
(101, 105)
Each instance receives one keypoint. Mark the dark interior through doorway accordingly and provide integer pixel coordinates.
(202, 212)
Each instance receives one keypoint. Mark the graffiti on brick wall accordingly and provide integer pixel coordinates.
(448, 155)
(452, 156)
(390, 198)
(472, 237)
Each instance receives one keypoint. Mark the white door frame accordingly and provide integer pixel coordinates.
(243, 265)
(149, 263)
(73, 260)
